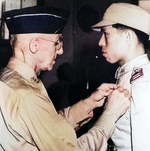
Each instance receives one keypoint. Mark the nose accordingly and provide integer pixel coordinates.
(102, 41)
(60, 51)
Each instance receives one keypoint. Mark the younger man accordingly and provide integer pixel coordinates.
(126, 30)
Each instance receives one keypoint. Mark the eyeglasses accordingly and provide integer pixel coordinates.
(58, 43)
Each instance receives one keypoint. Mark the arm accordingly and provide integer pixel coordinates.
(49, 130)
(96, 138)
(82, 112)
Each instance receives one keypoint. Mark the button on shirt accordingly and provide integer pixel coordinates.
(132, 129)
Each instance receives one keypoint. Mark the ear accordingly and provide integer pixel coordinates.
(34, 45)
(129, 36)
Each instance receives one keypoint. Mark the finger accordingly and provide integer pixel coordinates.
(126, 92)
(120, 88)
(103, 99)
(107, 87)
(101, 102)
(98, 96)
(129, 95)
(111, 86)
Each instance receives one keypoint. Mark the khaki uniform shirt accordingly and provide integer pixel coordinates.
(29, 121)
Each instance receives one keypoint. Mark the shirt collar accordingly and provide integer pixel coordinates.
(23, 69)
(137, 62)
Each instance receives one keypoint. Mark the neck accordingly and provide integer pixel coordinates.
(26, 58)
(132, 54)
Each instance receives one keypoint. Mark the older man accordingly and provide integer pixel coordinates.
(29, 121)
(126, 29)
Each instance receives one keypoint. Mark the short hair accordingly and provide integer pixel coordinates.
(141, 36)
(13, 39)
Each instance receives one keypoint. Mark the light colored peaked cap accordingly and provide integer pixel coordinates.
(126, 14)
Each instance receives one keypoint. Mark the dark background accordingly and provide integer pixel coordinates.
(82, 68)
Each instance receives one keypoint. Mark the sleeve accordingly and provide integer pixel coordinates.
(78, 114)
(94, 140)
(97, 136)
(140, 115)
(47, 128)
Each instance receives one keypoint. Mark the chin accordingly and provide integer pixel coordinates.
(50, 68)
(110, 61)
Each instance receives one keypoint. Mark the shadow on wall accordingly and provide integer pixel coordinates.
(59, 92)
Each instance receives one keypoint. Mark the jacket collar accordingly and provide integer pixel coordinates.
(23, 69)
(137, 62)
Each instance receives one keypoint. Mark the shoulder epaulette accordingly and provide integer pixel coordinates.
(136, 74)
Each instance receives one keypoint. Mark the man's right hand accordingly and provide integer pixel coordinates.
(118, 102)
